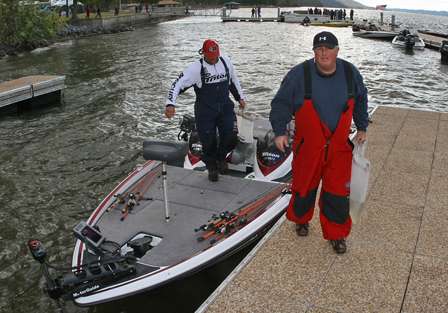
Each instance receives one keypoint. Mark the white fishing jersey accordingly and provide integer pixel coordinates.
(213, 74)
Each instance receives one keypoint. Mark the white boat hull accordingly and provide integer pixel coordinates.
(419, 43)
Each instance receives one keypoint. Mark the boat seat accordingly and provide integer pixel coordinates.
(164, 151)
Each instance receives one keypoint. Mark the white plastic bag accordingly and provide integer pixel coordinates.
(359, 182)
(245, 127)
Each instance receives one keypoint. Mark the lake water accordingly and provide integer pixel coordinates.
(56, 164)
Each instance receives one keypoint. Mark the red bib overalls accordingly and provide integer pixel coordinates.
(319, 155)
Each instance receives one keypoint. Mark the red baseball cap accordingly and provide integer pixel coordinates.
(210, 49)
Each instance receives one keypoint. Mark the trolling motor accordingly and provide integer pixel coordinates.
(70, 283)
(444, 52)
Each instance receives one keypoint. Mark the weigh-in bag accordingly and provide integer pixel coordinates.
(359, 181)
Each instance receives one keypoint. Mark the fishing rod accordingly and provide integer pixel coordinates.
(131, 198)
(226, 220)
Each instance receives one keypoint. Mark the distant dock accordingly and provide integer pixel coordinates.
(30, 90)
(432, 41)
(250, 19)
(227, 18)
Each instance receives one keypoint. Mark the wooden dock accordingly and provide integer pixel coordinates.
(30, 88)
(432, 41)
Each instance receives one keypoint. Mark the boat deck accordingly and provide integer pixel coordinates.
(193, 200)
(397, 258)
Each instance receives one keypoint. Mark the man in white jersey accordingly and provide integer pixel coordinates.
(212, 77)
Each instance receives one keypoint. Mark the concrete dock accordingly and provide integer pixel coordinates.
(30, 88)
(397, 258)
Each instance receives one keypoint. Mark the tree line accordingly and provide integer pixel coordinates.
(24, 25)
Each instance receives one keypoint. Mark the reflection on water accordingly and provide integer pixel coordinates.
(58, 163)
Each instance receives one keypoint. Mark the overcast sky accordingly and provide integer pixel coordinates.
(436, 5)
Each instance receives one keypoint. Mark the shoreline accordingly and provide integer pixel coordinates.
(84, 28)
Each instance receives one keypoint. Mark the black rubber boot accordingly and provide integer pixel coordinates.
(302, 229)
(213, 175)
(223, 167)
(339, 246)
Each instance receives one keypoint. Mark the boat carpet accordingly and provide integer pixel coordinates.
(193, 199)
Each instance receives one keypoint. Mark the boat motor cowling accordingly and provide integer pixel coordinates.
(409, 41)
(269, 156)
(444, 52)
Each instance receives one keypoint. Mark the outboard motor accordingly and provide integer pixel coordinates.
(188, 132)
(444, 52)
(269, 157)
(409, 41)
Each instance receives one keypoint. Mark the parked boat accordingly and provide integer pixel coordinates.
(372, 34)
(151, 230)
(408, 41)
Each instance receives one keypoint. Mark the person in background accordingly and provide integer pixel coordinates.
(213, 77)
(323, 94)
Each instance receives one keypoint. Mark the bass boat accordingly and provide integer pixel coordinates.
(163, 222)
(408, 41)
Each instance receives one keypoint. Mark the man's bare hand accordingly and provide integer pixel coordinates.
(242, 104)
(360, 137)
(281, 142)
(170, 111)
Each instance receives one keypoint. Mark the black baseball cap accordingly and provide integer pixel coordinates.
(326, 39)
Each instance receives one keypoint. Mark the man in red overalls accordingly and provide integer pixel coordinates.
(324, 94)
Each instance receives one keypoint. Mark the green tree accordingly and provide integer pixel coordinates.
(25, 24)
